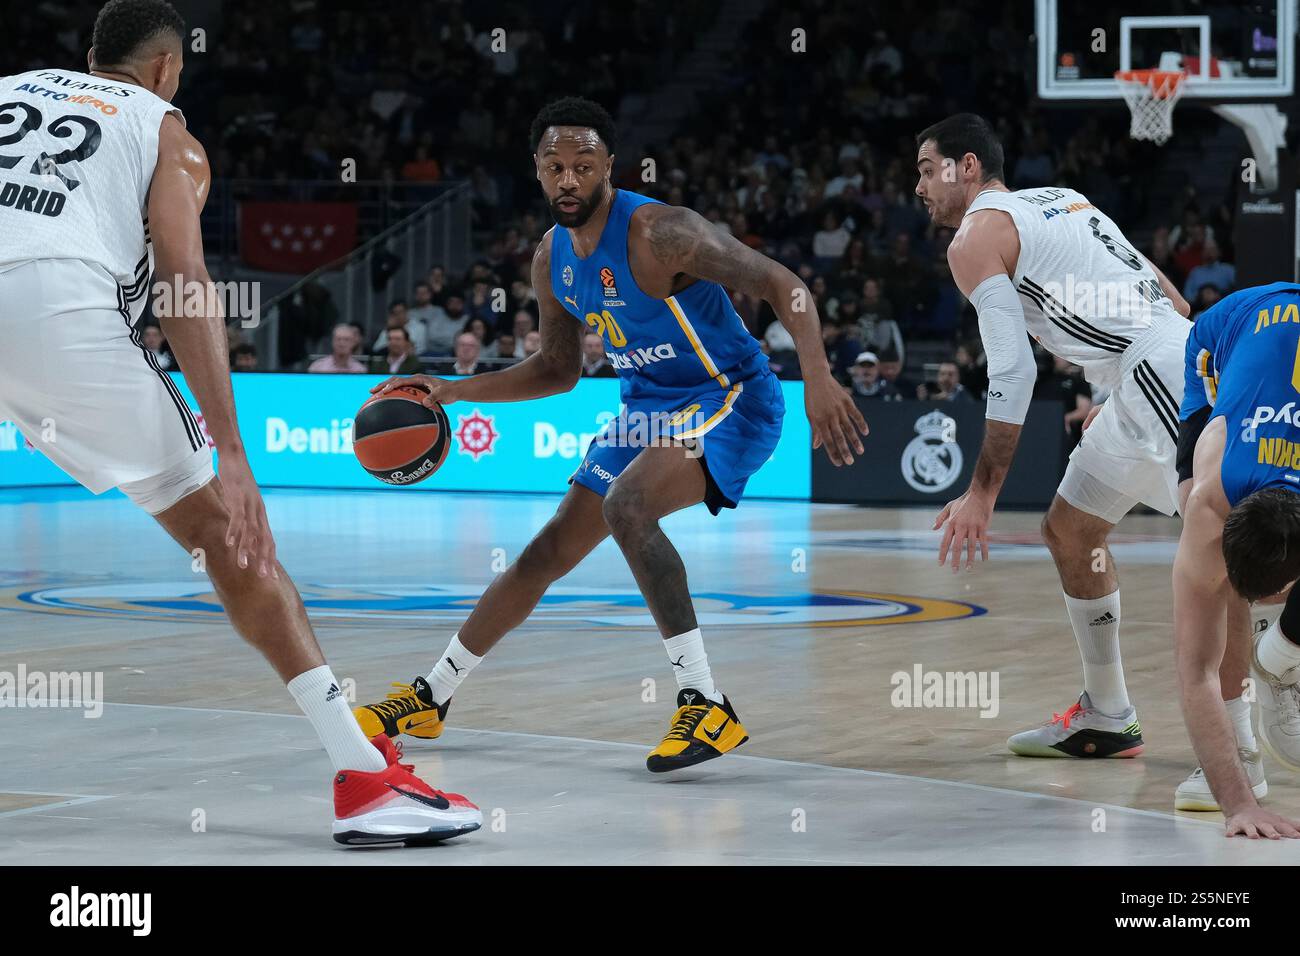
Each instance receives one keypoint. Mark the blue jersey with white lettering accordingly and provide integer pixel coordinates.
(664, 350)
(1243, 359)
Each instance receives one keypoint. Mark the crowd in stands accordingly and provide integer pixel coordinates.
(806, 156)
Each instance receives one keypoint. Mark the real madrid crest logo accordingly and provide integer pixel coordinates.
(567, 275)
(932, 460)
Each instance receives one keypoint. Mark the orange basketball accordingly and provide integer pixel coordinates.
(397, 439)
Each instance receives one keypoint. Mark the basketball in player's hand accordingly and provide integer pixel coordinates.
(397, 439)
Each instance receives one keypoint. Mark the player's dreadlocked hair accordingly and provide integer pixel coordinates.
(123, 26)
(1261, 542)
(573, 111)
(964, 133)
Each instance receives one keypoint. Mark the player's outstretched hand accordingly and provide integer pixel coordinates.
(440, 390)
(1092, 413)
(835, 419)
(248, 533)
(1258, 822)
(968, 520)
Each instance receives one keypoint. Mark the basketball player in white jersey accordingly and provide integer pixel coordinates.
(99, 185)
(1047, 262)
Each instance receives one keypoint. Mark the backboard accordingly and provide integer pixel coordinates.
(1251, 44)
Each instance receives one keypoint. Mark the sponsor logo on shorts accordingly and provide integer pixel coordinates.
(602, 474)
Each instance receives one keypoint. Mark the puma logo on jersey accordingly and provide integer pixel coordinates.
(641, 357)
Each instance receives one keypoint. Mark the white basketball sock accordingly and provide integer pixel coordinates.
(452, 668)
(1096, 631)
(318, 694)
(691, 664)
(1239, 713)
(1275, 653)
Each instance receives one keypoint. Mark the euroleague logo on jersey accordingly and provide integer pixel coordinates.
(607, 280)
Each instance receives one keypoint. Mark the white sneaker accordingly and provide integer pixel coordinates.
(1279, 712)
(1082, 731)
(1194, 792)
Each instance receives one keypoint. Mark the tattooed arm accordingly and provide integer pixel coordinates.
(680, 242)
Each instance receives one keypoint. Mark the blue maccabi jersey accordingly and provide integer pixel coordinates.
(664, 350)
(1243, 359)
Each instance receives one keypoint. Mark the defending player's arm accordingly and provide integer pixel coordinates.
(680, 240)
(555, 367)
(176, 196)
(983, 257)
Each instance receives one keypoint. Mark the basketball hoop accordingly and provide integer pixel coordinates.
(1151, 96)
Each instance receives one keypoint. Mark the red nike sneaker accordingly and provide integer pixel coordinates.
(393, 805)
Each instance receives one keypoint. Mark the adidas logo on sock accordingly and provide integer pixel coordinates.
(332, 693)
(1106, 618)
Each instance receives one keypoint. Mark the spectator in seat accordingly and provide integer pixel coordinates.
(1190, 251)
(947, 386)
(343, 344)
(971, 367)
(877, 329)
(445, 326)
(243, 358)
(830, 241)
(867, 382)
(1075, 394)
(781, 349)
(1211, 271)
(466, 361)
(478, 327)
(532, 342)
(400, 358)
(151, 337)
(842, 349)
(595, 363)
(416, 330)
(524, 323)
(1208, 295)
(504, 347)
(423, 310)
(891, 370)
(1161, 255)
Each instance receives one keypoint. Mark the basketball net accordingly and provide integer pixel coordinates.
(1151, 96)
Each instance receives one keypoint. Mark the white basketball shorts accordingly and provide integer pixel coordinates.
(1127, 455)
(81, 388)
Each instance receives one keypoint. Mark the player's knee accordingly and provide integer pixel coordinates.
(624, 510)
(1051, 528)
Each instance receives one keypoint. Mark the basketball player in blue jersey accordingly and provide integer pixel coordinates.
(702, 412)
(1239, 480)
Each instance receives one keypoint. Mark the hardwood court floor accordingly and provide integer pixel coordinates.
(808, 613)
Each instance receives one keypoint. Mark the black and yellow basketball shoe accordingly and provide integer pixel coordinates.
(701, 730)
(408, 710)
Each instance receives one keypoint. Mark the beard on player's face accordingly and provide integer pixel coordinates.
(578, 216)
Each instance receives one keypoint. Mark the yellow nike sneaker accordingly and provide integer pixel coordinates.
(701, 730)
(408, 710)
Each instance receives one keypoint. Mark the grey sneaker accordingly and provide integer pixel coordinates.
(1194, 792)
(1082, 731)
(1279, 711)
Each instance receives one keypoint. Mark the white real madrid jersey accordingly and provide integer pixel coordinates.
(1087, 293)
(77, 155)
